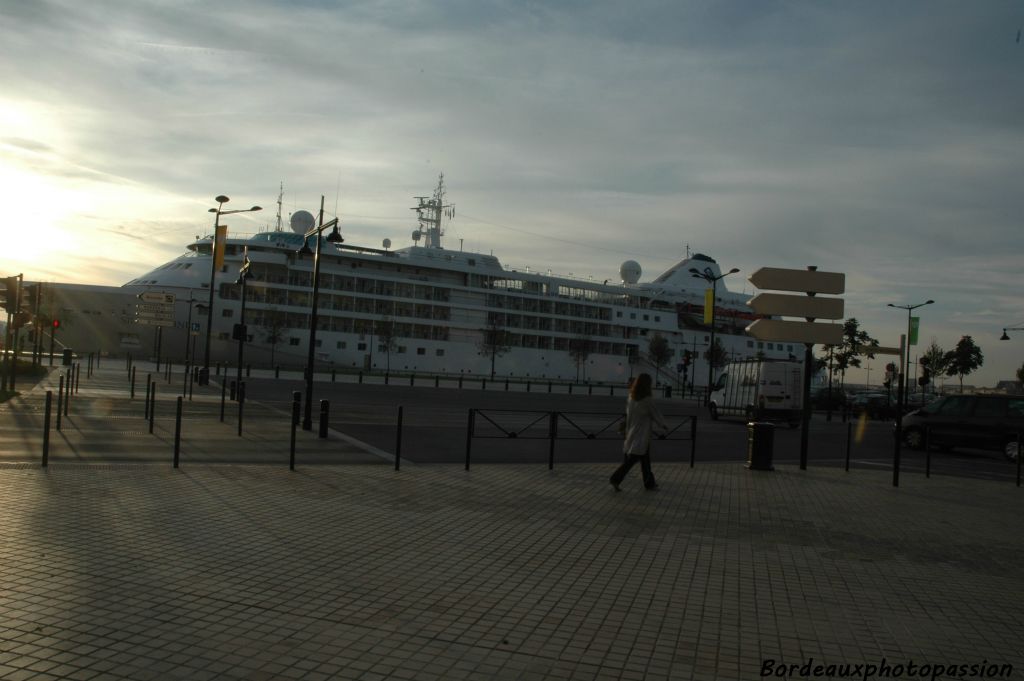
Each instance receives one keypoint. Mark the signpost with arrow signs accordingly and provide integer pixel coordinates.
(810, 282)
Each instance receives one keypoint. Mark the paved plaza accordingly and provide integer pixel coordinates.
(352, 570)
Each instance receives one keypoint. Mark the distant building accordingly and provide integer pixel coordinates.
(1010, 387)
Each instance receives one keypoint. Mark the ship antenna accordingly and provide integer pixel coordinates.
(280, 199)
(430, 212)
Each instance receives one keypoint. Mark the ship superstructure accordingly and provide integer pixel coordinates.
(425, 308)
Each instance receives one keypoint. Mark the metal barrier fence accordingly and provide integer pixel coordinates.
(521, 424)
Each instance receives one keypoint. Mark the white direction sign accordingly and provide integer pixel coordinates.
(806, 281)
(796, 332)
(155, 308)
(783, 305)
(154, 322)
(156, 297)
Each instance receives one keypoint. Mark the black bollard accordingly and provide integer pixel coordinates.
(277, 371)
(360, 376)
(437, 381)
(412, 379)
(296, 404)
(398, 439)
(549, 386)
(184, 381)
(460, 381)
(527, 386)
(483, 384)
(849, 436)
(177, 432)
(469, 434)
(46, 428)
(506, 385)
(248, 371)
(60, 401)
(131, 387)
(386, 377)
(149, 387)
(67, 394)
(192, 382)
(152, 408)
(218, 369)
(234, 391)
(241, 405)
(78, 375)
(325, 409)
(223, 395)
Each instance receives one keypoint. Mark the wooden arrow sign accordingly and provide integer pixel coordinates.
(807, 281)
(783, 305)
(796, 332)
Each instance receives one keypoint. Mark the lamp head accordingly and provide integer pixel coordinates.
(335, 236)
(734, 270)
(255, 208)
(929, 302)
(222, 199)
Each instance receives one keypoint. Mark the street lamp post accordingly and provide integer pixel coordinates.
(904, 389)
(219, 210)
(188, 327)
(333, 237)
(243, 276)
(709, 276)
(901, 395)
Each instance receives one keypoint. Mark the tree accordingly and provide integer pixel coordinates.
(716, 355)
(963, 359)
(1020, 373)
(579, 350)
(855, 343)
(272, 324)
(386, 336)
(494, 340)
(659, 352)
(933, 362)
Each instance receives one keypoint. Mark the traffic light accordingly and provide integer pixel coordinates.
(890, 373)
(238, 332)
(926, 375)
(687, 357)
(11, 300)
(56, 323)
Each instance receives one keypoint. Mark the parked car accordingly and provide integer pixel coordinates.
(875, 405)
(976, 421)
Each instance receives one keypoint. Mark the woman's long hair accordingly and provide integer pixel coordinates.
(641, 387)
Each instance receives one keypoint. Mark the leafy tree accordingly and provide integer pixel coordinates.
(855, 343)
(579, 350)
(495, 340)
(933, 360)
(659, 352)
(273, 324)
(386, 336)
(1020, 373)
(963, 359)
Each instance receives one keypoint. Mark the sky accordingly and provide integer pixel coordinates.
(878, 139)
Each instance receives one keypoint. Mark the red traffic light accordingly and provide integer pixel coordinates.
(56, 323)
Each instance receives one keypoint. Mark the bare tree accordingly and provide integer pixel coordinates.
(273, 323)
(386, 336)
(659, 352)
(495, 340)
(579, 350)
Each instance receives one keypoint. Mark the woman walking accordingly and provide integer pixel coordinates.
(641, 416)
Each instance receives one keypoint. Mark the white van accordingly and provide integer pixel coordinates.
(764, 389)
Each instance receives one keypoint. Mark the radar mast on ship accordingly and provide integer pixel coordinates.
(429, 212)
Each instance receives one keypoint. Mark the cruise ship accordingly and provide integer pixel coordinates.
(428, 309)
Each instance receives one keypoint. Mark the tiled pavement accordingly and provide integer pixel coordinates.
(140, 571)
(505, 572)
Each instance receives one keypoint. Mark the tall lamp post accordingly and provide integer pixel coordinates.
(204, 377)
(708, 275)
(904, 389)
(243, 275)
(335, 238)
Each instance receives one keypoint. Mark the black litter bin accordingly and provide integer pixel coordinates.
(67, 357)
(760, 443)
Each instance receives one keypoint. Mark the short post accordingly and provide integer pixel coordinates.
(234, 391)
(412, 380)
(398, 438)
(67, 393)
(152, 407)
(469, 432)
(460, 381)
(248, 371)
(241, 405)
(506, 384)
(131, 387)
(437, 381)
(549, 386)
(184, 381)
(927, 452)
(849, 437)
(46, 429)
(218, 368)
(325, 412)
(570, 388)
(192, 381)
(360, 377)
(483, 384)
(590, 389)
(611, 390)
(78, 375)
(170, 368)
(693, 440)
(334, 375)
(1019, 447)
(387, 377)
(296, 403)
(60, 401)
(527, 386)
(177, 432)
(223, 396)
(149, 387)
(552, 434)
(277, 371)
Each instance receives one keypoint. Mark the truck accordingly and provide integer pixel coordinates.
(761, 389)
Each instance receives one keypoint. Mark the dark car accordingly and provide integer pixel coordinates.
(975, 421)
